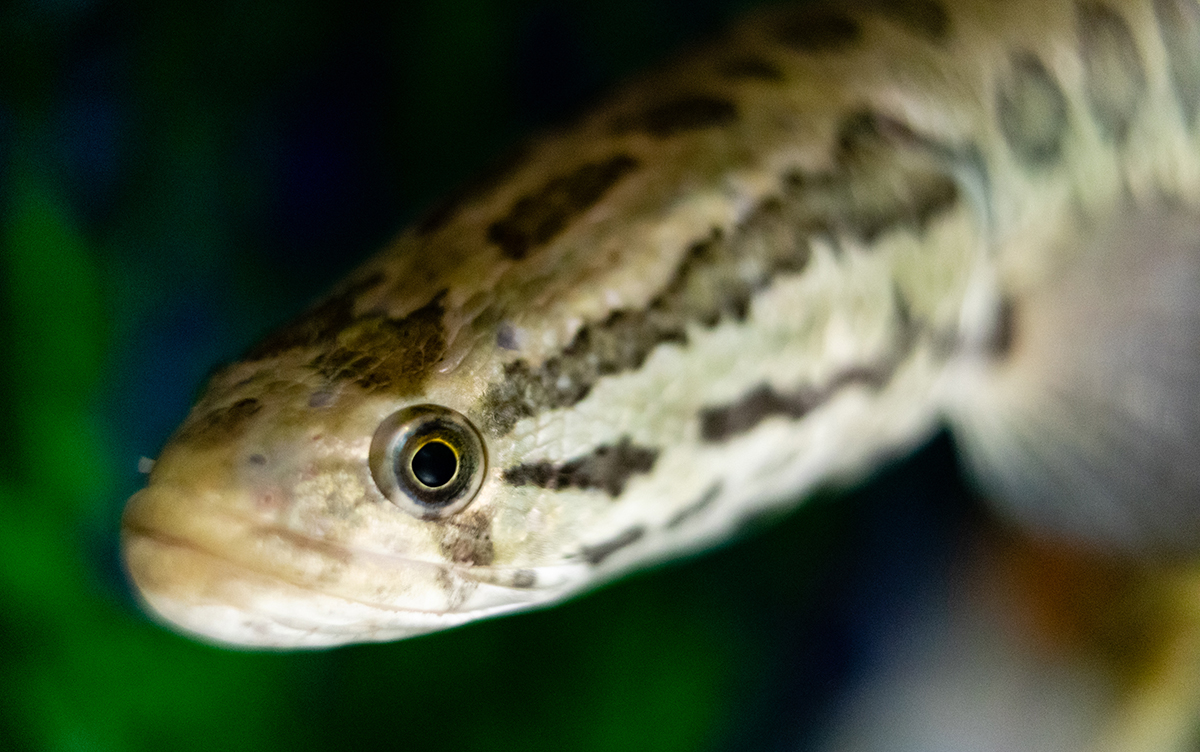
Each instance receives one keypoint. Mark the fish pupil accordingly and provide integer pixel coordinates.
(435, 464)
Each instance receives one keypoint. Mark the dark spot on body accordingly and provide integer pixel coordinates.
(876, 186)
(1179, 26)
(221, 424)
(478, 187)
(882, 182)
(714, 280)
(1114, 78)
(686, 113)
(467, 539)
(1005, 333)
(856, 131)
(319, 324)
(521, 392)
(818, 31)
(722, 422)
(257, 459)
(752, 68)
(456, 588)
(391, 355)
(536, 218)
(927, 18)
(596, 554)
(725, 421)
(320, 398)
(506, 337)
(524, 578)
(696, 507)
(1032, 112)
(608, 469)
(619, 343)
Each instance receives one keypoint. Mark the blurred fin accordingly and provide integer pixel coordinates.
(1084, 420)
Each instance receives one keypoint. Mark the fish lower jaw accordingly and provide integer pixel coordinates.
(225, 603)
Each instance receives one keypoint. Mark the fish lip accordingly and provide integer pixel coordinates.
(256, 626)
(206, 593)
(134, 527)
(132, 531)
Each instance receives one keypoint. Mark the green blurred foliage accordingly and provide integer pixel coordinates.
(177, 179)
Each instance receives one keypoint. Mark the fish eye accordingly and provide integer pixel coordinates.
(428, 460)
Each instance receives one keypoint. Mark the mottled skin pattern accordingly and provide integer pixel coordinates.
(763, 271)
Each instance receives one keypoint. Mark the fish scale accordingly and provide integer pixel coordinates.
(765, 271)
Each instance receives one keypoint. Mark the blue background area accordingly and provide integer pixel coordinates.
(175, 182)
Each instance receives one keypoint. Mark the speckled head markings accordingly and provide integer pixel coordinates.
(1032, 111)
(380, 353)
(1114, 76)
(763, 271)
(468, 540)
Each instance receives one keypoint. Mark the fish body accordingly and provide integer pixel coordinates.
(764, 271)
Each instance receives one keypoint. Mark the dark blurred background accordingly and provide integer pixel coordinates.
(177, 180)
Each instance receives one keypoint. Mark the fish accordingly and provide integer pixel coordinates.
(770, 269)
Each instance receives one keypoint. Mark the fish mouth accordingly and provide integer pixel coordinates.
(223, 579)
